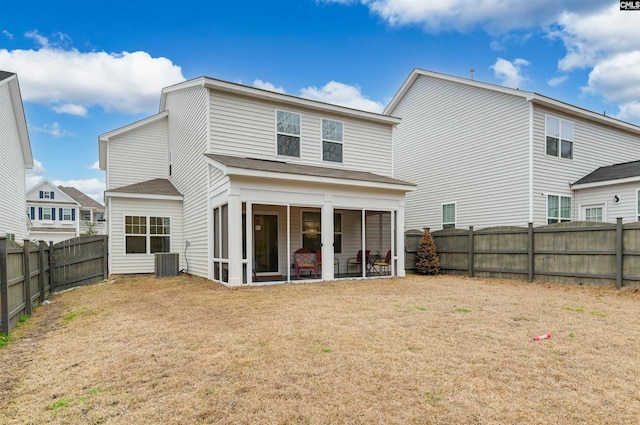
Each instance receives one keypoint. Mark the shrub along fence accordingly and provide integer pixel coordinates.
(576, 252)
(30, 272)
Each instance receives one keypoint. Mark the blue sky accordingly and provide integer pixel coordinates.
(86, 68)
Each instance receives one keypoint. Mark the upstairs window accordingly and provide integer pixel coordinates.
(66, 214)
(559, 134)
(46, 195)
(558, 209)
(449, 216)
(288, 133)
(332, 140)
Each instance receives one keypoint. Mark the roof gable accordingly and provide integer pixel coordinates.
(532, 97)
(33, 194)
(11, 79)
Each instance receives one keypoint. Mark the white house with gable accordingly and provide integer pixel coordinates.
(15, 157)
(485, 155)
(236, 180)
(55, 216)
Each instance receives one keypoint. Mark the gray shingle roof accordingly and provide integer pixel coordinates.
(84, 200)
(612, 172)
(4, 75)
(150, 187)
(305, 170)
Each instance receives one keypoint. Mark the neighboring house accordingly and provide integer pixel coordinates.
(92, 213)
(55, 216)
(15, 157)
(484, 155)
(236, 179)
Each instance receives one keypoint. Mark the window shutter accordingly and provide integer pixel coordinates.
(53, 213)
(32, 213)
(40, 212)
(60, 216)
(52, 193)
(41, 194)
(73, 214)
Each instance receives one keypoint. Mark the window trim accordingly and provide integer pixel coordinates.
(560, 139)
(51, 213)
(559, 218)
(299, 136)
(455, 215)
(323, 140)
(147, 233)
(602, 205)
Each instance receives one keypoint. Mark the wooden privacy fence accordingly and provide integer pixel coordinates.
(576, 252)
(30, 272)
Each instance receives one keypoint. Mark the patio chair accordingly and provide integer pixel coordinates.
(357, 261)
(304, 261)
(335, 260)
(383, 266)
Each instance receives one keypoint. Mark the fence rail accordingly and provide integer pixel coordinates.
(29, 272)
(577, 252)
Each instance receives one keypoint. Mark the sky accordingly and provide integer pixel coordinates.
(88, 67)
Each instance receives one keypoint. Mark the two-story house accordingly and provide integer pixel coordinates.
(55, 216)
(236, 179)
(15, 157)
(92, 213)
(485, 155)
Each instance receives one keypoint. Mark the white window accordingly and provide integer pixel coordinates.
(593, 213)
(449, 215)
(558, 209)
(332, 140)
(147, 235)
(46, 213)
(66, 214)
(87, 216)
(559, 137)
(288, 133)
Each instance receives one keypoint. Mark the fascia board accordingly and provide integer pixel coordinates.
(243, 172)
(109, 194)
(605, 183)
(18, 108)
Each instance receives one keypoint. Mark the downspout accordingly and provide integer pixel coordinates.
(530, 161)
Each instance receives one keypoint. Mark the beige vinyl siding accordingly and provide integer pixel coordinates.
(466, 145)
(244, 126)
(188, 127)
(121, 263)
(13, 218)
(594, 146)
(626, 207)
(138, 155)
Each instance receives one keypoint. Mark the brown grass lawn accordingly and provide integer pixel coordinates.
(419, 350)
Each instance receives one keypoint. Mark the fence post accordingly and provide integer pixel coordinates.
(41, 271)
(51, 268)
(530, 248)
(105, 258)
(619, 253)
(470, 251)
(4, 287)
(27, 276)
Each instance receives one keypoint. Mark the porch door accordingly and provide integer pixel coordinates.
(265, 243)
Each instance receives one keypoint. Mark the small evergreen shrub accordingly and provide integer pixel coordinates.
(427, 261)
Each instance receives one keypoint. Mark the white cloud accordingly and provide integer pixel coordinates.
(68, 80)
(95, 166)
(90, 187)
(462, 15)
(7, 34)
(510, 73)
(556, 81)
(52, 129)
(265, 85)
(342, 94)
(71, 109)
(34, 175)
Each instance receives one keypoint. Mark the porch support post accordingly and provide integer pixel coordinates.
(364, 259)
(235, 239)
(249, 241)
(399, 235)
(327, 239)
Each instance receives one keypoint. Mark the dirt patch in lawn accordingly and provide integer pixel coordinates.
(419, 350)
